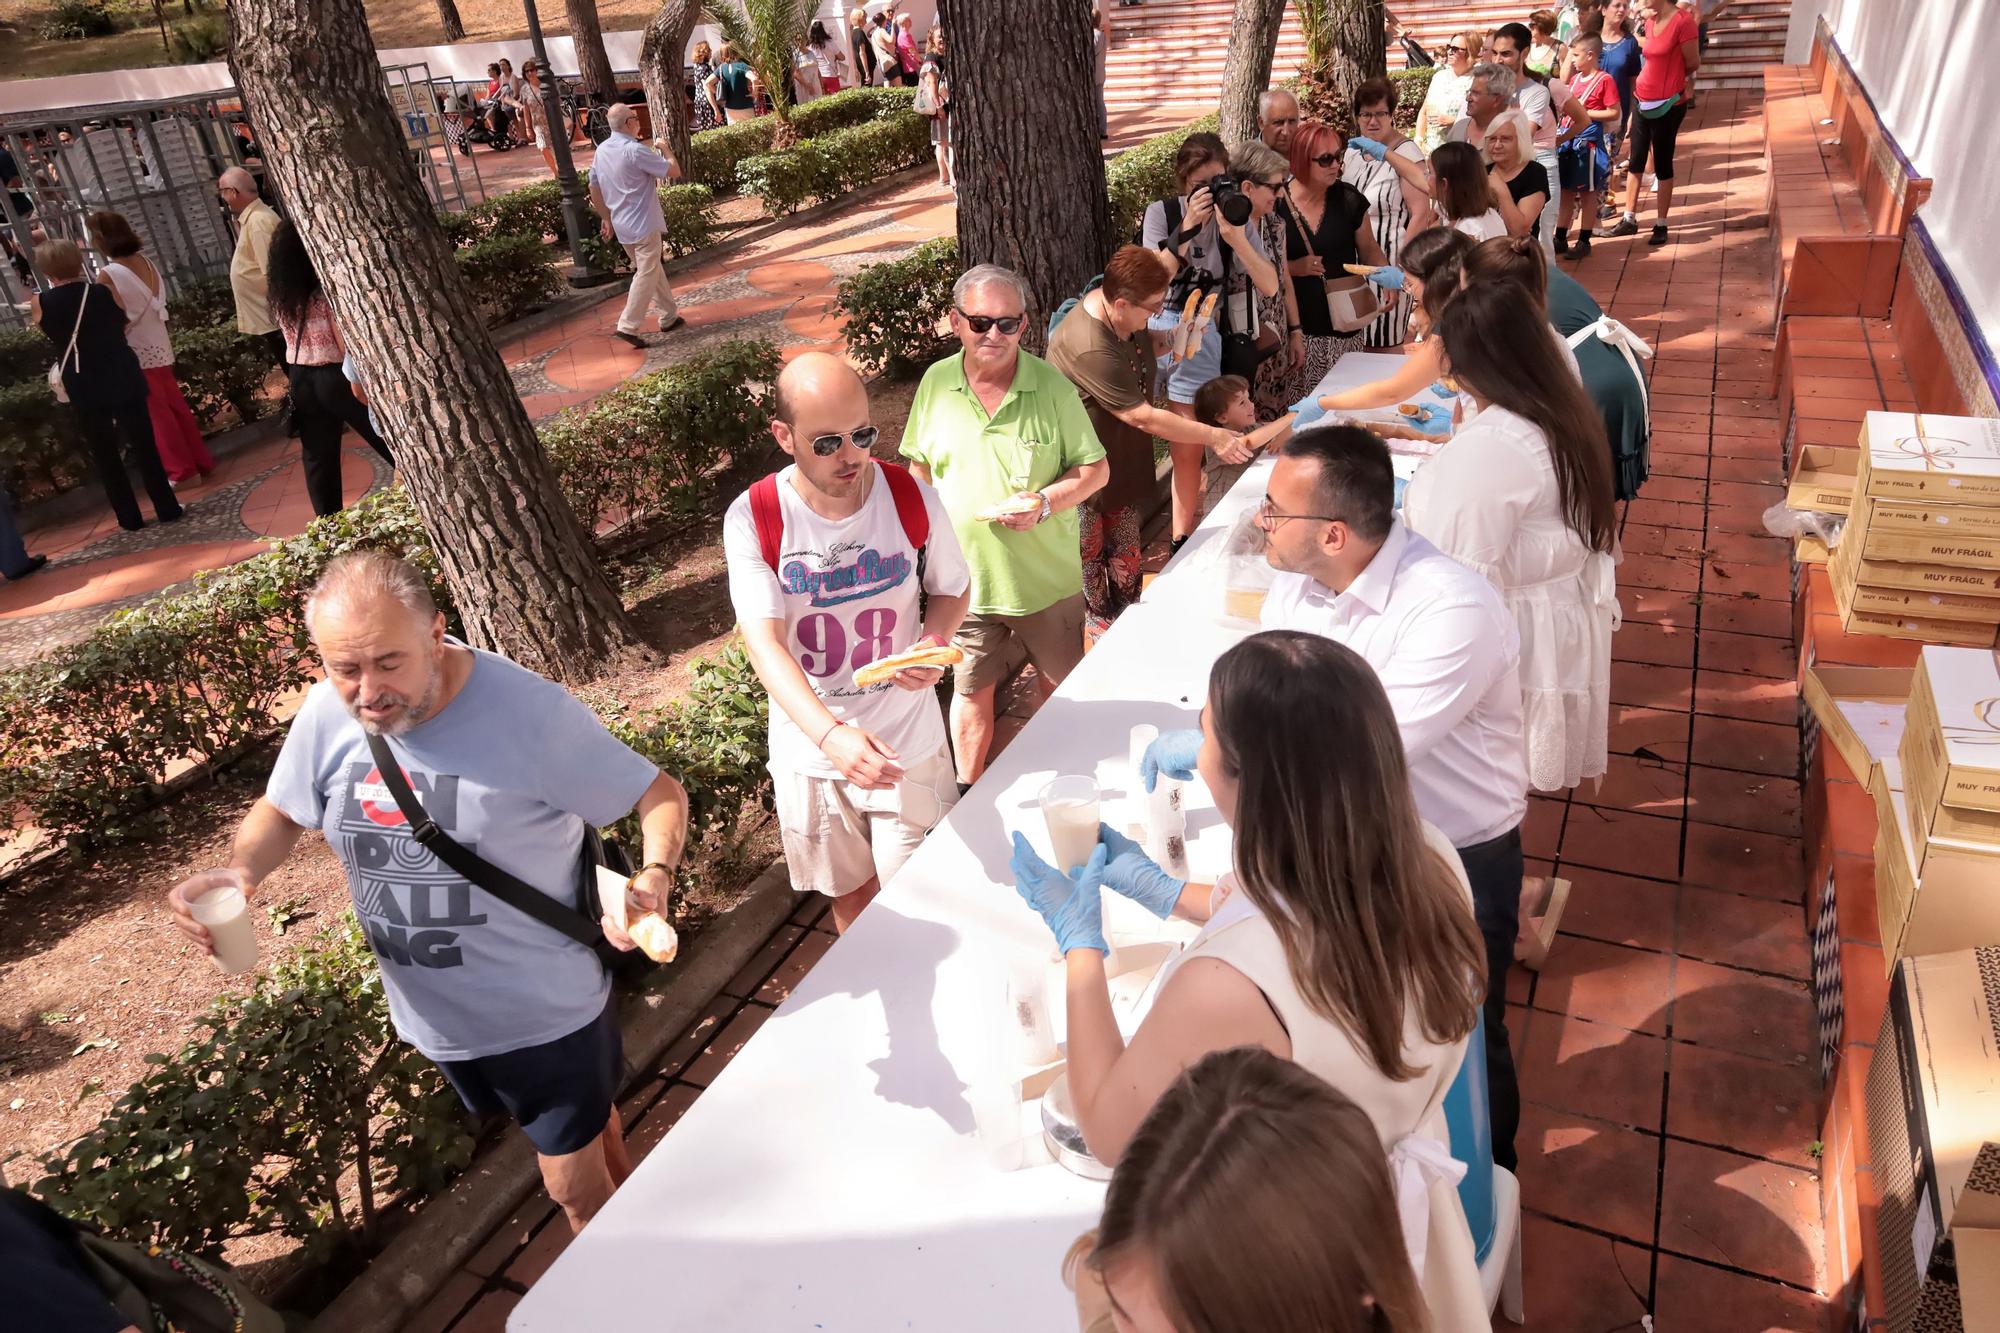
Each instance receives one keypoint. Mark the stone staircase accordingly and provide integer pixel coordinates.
(1170, 52)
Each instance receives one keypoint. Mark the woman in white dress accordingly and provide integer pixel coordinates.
(141, 292)
(1344, 940)
(1398, 206)
(1523, 494)
(1244, 1155)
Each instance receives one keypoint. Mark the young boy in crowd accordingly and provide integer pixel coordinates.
(1225, 402)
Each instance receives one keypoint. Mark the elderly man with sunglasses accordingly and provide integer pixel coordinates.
(828, 565)
(994, 425)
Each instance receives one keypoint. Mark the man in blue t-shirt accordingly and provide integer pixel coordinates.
(517, 1015)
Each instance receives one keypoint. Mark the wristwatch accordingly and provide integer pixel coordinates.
(1043, 517)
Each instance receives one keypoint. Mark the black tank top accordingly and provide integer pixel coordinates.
(104, 368)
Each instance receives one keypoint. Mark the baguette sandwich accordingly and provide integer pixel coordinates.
(923, 655)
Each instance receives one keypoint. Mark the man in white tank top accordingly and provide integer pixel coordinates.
(861, 773)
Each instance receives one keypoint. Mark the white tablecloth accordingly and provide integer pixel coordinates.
(864, 1163)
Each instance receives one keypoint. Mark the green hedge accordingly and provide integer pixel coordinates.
(39, 452)
(658, 442)
(221, 371)
(206, 302)
(894, 309)
(510, 276)
(716, 154)
(818, 169)
(1411, 85)
(25, 355)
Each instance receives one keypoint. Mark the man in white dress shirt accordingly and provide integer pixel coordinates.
(625, 181)
(1448, 654)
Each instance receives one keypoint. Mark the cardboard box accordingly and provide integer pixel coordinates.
(1917, 576)
(1961, 690)
(1911, 456)
(1953, 832)
(1810, 550)
(1929, 898)
(1926, 605)
(1939, 545)
(1904, 516)
(1975, 1235)
(1823, 478)
(1882, 625)
(1860, 711)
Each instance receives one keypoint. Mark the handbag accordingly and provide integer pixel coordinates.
(577, 920)
(56, 385)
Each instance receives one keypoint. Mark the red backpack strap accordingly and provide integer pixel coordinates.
(910, 510)
(769, 518)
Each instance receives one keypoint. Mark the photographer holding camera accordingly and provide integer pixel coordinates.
(1213, 236)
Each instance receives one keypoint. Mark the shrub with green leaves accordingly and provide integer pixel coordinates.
(715, 156)
(657, 443)
(531, 211)
(26, 355)
(87, 728)
(201, 303)
(220, 371)
(40, 452)
(197, 40)
(461, 229)
(689, 211)
(252, 1127)
(1411, 86)
(77, 20)
(1145, 172)
(894, 309)
(816, 170)
(509, 276)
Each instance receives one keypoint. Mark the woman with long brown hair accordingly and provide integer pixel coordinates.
(1523, 494)
(141, 290)
(1244, 1159)
(1343, 940)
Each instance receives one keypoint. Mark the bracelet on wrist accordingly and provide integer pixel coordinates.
(825, 735)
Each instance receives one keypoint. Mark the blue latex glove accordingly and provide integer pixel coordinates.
(1402, 484)
(1307, 411)
(1443, 390)
(1388, 277)
(1435, 423)
(1072, 906)
(1368, 147)
(1172, 753)
(1136, 875)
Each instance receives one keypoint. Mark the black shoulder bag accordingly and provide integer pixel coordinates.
(579, 920)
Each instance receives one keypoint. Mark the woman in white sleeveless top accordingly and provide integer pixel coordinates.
(1239, 1159)
(1343, 941)
(1523, 494)
(142, 292)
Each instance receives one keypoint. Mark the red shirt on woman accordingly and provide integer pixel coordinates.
(1664, 72)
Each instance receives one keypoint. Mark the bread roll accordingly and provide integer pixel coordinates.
(927, 655)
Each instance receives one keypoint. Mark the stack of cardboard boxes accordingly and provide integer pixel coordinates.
(1937, 804)
(1920, 555)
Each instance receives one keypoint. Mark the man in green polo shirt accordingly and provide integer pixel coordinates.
(989, 426)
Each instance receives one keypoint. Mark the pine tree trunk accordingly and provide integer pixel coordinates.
(592, 64)
(454, 26)
(662, 64)
(1031, 192)
(521, 570)
(1246, 72)
(1360, 47)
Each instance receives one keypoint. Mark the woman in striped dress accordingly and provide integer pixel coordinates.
(1396, 207)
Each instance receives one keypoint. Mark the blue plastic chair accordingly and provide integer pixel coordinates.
(1468, 1117)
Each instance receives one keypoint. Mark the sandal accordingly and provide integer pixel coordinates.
(1539, 923)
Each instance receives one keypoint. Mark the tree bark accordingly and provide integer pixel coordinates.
(1360, 47)
(1246, 72)
(662, 57)
(521, 570)
(454, 26)
(592, 64)
(1031, 182)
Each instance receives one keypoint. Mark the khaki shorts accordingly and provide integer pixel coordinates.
(839, 836)
(1053, 638)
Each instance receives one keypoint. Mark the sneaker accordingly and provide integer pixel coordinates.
(1605, 212)
(1582, 250)
(1659, 236)
(1627, 226)
(632, 338)
(1562, 241)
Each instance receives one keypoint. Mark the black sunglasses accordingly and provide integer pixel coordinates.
(1007, 324)
(1326, 159)
(864, 437)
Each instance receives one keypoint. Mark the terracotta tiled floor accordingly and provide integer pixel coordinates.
(1666, 1165)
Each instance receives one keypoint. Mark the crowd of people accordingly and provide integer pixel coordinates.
(1449, 643)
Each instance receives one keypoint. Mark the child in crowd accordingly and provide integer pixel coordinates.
(1225, 402)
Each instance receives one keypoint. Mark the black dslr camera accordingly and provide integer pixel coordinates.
(1227, 192)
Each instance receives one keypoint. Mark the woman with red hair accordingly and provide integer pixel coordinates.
(1327, 223)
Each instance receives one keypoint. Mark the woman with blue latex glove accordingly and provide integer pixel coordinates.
(1388, 278)
(1072, 905)
(1172, 753)
(1129, 871)
(1344, 941)
(1424, 255)
(1368, 147)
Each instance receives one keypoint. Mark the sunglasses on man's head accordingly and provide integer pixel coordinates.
(1007, 324)
(864, 437)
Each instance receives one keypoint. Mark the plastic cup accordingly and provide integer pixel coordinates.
(1069, 805)
(216, 900)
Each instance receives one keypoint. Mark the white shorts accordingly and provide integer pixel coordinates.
(839, 836)
(541, 138)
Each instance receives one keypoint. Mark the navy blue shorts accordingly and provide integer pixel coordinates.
(560, 1092)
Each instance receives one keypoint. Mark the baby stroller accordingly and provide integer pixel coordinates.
(464, 126)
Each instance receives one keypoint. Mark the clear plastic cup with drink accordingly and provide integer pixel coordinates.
(1069, 805)
(217, 900)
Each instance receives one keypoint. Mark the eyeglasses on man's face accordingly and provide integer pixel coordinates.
(1268, 518)
(1009, 325)
(864, 437)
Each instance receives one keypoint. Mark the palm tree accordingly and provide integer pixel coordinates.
(766, 33)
